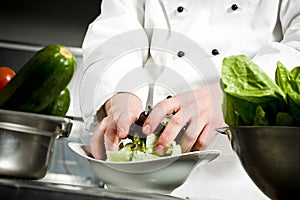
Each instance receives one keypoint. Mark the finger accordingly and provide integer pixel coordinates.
(207, 130)
(204, 139)
(197, 129)
(188, 98)
(97, 142)
(158, 113)
(191, 135)
(123, 124)
(175, 124)
(111, 138)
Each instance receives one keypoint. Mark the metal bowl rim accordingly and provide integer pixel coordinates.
(264, 127)
(25, 129)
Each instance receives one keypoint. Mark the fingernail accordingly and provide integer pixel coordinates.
(160, 150)
(147, 129)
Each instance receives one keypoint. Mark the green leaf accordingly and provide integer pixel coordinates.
(244, 79)
(260, 118)
(289, 82)
(295, 82)
(246, 87)
(282, 77)
(238, 111)
(119, 156)
(284, 119)
(293, 100)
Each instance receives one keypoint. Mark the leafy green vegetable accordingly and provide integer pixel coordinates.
(138, 149)
(290, 84)
(260, 118)
(251, 97)
(284, 119)
(282, 77)
(119, 156)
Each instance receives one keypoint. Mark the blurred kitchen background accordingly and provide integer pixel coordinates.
(26, 27)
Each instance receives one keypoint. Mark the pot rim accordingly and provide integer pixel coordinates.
(25, 129)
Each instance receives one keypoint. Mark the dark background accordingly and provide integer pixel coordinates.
(41, 22)
(36, 23)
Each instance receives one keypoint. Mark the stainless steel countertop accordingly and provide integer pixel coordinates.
(28, 189)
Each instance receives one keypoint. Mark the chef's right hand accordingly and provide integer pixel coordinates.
(123, 109)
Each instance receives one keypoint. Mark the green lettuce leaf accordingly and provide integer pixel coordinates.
(284, 119)
(289, 82)
(139, 149)
(247, 90)
(260, 118)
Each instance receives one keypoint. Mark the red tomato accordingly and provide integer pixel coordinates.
(6, 74)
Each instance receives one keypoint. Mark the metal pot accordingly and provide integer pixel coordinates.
(27, 142)
(270, 156)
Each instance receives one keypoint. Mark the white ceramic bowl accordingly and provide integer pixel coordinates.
(160, 175)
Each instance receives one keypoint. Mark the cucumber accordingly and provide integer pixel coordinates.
(40, 80)
(60, 105)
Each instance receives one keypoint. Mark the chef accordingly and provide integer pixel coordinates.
(139, 52)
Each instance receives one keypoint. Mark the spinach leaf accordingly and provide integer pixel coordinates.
(289, 82)
(295, 73)
(294, 96)
(284, 119)
(237, 112)
(295, 82)
(248, 91)
(282, 77)
(260, 118)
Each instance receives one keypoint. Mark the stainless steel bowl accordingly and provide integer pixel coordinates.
(270, 156)
(27, 142)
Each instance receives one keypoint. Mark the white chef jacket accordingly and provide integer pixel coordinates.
(187, 38)
(184, 42)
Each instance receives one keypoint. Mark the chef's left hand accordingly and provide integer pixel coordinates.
(200, 109)
(122, 110)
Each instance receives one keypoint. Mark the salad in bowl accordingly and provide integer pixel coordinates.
(136, 166)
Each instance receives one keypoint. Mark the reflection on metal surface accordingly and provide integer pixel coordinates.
(24, 189)
(66, 179)
(27, 142)
(270, 156)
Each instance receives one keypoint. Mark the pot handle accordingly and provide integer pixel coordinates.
(222, 130)
(65, 129)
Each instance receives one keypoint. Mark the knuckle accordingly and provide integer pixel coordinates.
(200, 144)
(162, 104)
(189, 135)
(164, 141)
(175, 121)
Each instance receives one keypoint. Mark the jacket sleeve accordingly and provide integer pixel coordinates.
(115, 48)
(287, 51)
